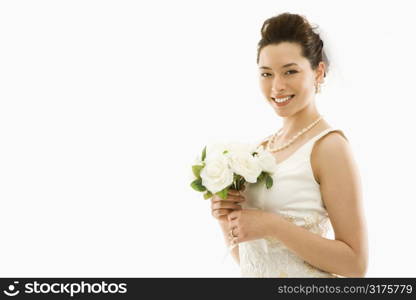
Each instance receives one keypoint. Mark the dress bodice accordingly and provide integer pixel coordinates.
(296, 196)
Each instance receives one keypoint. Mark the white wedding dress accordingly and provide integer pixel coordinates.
(296, 196)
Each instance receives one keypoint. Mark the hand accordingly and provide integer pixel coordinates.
(220, 208)
(248, 224)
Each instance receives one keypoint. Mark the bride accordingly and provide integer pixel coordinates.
(280, 232)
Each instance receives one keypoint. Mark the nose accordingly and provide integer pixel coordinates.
(277, 85)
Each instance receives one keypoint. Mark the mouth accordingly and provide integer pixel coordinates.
(283, 101)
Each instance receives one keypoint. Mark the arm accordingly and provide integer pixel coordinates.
(226, 230)
(347, 255)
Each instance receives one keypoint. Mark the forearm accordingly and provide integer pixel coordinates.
(226, 231)
(332, 256)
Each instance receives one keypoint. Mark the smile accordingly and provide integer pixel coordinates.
(283, 101)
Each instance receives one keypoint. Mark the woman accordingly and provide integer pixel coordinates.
(280, 232)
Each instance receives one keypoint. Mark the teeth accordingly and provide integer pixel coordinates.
(282, 99)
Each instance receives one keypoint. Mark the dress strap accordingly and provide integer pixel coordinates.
(326, 131)
(315, 138)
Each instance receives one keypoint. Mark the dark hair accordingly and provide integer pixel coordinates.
(294, 28)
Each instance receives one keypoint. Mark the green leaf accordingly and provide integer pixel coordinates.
(261, 177)
(225, 152)
(240, 182)
(196, 169)
(208, 195)
(204, 153)
(269, 181)
(197, 185)
(223, 194)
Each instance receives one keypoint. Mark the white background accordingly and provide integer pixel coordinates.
(104, 106)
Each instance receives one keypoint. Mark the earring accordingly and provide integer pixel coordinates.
(317, 88)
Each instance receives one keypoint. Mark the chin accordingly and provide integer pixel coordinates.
(283, 113)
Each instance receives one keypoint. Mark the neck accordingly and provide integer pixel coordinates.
(295, 123)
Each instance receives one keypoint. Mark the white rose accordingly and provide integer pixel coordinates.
(216, 175)
(266, 160)
(220, 147)
(243, 163)
(237, 147)
(215, 149)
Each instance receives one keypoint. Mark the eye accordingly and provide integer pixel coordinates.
(294, 71)
(266, 74)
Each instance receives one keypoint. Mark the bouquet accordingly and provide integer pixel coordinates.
(223, 166)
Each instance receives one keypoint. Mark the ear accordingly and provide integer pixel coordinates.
(320, 72)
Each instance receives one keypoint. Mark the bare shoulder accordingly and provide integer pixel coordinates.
(329, 150)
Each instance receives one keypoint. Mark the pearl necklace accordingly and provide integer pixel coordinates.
(287, 144)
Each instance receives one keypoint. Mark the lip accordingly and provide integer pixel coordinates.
(282, 96)
(284, 103)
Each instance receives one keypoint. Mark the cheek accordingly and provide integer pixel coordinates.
(265, 86)
(304, 84)
(302, 88)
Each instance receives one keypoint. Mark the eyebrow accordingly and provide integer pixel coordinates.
(284, 66)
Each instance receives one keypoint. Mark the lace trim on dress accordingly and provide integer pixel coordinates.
(278, 260)
(316, 223)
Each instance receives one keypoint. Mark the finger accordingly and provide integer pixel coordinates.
(235, 230)
(220, 205)
(234, 241)
(232, 233)
(215, 198)
(229, 198)
(232, 223)
(225, 203)
(237, 192)
(233, 216)
(233, 192)
(237, 198)
(216, 214)
(221, 212)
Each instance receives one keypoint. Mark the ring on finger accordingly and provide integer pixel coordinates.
(232, 233)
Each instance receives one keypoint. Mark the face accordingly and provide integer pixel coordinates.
(285, 72)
